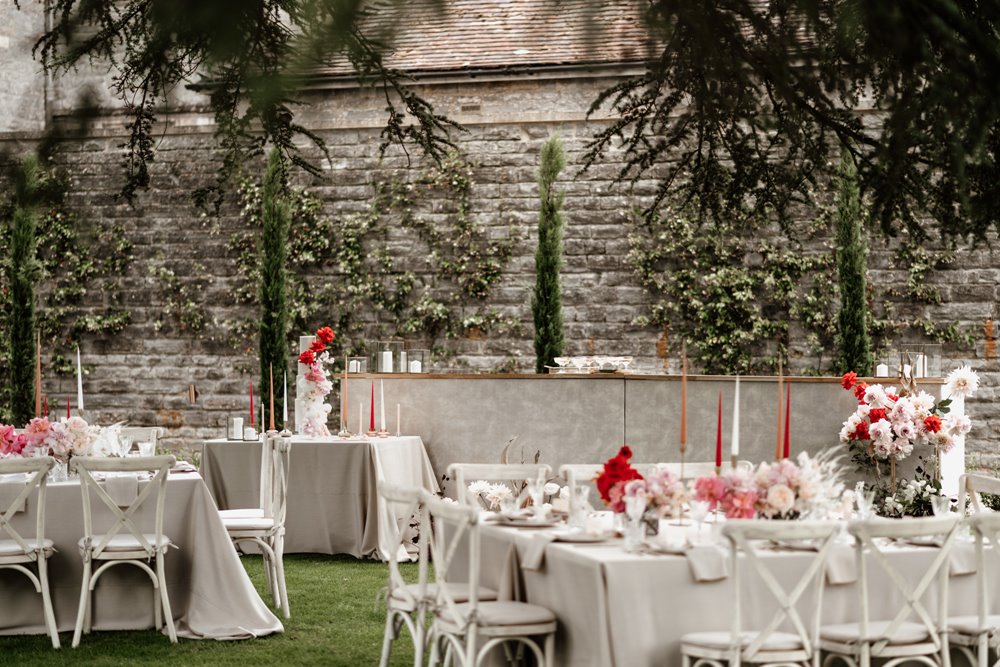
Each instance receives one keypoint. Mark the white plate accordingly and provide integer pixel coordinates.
(582, 536)
(526, 523)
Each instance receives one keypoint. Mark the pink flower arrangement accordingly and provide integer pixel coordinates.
(11, 444)
(664, 491)
(61, 439)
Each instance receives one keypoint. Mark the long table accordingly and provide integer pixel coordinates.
(629, 610)
(211, 595)
(333, 501)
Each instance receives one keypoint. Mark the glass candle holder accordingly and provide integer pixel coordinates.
(357, 364)
(386, 356)
(417, 360)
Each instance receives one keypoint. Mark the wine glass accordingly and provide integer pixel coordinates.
(698, 509)
(865, 501)
(635, 506)
(578, 512)
(941, 505)
(124, 445)
(536, 491)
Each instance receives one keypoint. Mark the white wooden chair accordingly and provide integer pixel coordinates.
(266, 486)
(511, 473)
(897, 640)
(982, 631)
(268, 530)
(17, 551)
(124, 542)
(458, 626)
(767, 646)
(971, 486)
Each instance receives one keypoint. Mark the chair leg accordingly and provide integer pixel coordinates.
(84, 603)
(50, 618)
(550, 649)
(168, 616)
(157, 607)
(387, 639)
(279, 566)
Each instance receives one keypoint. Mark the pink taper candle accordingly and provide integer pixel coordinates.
(788, 422)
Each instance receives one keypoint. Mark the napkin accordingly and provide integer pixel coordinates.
(10, 487)
(534, 555)
(123, 488)
(840, 565)
(963, 558)
(708, 562)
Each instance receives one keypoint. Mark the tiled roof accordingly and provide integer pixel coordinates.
(455, 35)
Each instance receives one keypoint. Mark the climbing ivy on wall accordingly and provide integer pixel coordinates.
(363, 274)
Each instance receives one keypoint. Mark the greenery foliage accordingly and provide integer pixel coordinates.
(854, 347)
(273, 252)
(546, 302)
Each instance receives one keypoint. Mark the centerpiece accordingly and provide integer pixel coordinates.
(312, 386)
(644, 500)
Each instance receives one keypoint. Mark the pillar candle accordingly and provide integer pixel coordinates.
(270, 407)
(386, 361)
(718, 436)
(371, 416)
(777, 438)
(684, 398)
(788, 422)
(882, 371)
(381, 404)
(735, 444)
(79, 381)
(252, 424)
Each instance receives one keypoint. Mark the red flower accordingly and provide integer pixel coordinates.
(932, 423)
(325, 334)
(317, 347)
(625, 451)
(859, 390)
(849, 380)
(876, 414)
(616, 470)
(861, 432)
(308, 358)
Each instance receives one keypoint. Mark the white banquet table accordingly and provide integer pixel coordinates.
(211, 595)
(630, 610)
(333, 501)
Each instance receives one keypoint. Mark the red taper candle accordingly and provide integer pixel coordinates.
(371, 422)
(788, 421)
(252, 424)
(718, 436)
(68, 415)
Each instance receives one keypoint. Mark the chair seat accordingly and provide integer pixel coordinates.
(501, 614)
(459, 592)
(248, 513)
(850, 633)
(126, 543)
(235, 525)
(969, 625)
(12, 548)
(776, 641)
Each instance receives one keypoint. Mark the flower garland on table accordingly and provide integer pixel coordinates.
(313, 387)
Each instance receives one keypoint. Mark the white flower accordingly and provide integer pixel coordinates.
(862, 411)
(957, 425)
(923, 403)
(881, 430)
(552, 488)
(906, 430)
(901, 412)
(496, 494)
(479, 487)
(780, 498)
(875, 396)
(963, 381)
(944, 441)
(892, 507)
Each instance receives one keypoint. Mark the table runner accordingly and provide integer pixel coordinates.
(333, 501)
(211, 595)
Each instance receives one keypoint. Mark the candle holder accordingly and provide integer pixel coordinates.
(417, 360)
(383, 433)
(357, 364)
(371, 434)
(344, 433)
(386, 356)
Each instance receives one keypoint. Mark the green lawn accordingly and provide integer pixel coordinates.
(335, 621)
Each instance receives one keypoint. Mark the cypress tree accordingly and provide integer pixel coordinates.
(854, 347)
(276, 218)
(546, 302)
(22, 274)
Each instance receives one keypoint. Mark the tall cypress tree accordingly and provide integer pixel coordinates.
(22, 275)
(854, 346)
(546, 302)
(276, 218)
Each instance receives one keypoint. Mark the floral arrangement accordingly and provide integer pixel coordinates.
(313, 386)
(490, 495)
(611, 481)
(11, 443)
(783, 490)
(62, 439)
(664, 491)
(913, 498)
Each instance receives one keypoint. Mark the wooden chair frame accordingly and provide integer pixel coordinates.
(34, 550)
(985, 527)
(971, 485)
(932, 652)
(512, 473)
(94, 546)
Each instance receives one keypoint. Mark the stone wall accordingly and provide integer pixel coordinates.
(144, 374)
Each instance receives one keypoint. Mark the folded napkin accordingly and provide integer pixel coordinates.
(708, 562)
(184, 466)
(122, 487)
(10, 487)
(534, 555)
(840, 565)
(963, 558)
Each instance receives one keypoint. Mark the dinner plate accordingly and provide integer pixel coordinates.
(527, 523)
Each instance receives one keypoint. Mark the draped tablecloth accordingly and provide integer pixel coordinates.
(333, 501)
(630, 610)
(211, 595)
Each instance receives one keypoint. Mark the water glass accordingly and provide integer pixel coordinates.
(698, 509)
(146, 449)
(581, 507)
(635, 506)
(941, 505)
(124, 445)
(865, 501)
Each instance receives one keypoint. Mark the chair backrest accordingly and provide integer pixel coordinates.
(986, 529)
(280, 448)
(454, 526)
(512, 473)
(742, 533)
(971, 484)
(411, 498)
(158, 465)
(38, 469)
(866, 533)
(144, 434)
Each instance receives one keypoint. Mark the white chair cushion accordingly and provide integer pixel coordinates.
(969, 625)
(459, 592)
(248, 513)
(248, 523)
(776, 641)
(503, 614)
(12, 548)
(850, 633)
(126, 542)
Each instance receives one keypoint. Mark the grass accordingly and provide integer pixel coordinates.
(336, 620)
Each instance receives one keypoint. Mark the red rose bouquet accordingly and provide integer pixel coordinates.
(616, 474)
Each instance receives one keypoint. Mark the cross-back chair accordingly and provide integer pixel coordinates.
(125, 542)
(897, 640)
(459, 625)
(972, 486)
(267, 531)
(18, 551)
(981, 631)
(768, 646)
(511, 473)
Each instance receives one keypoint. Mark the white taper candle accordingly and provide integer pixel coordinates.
(736, 420)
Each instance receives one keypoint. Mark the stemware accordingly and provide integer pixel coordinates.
(146, 449)
(941, 505)
(124, 445)
(536, 491)
(698, 509)
(581, 506)
(635, 506)
(865, 501)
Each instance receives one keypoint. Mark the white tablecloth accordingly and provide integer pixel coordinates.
(211, 595)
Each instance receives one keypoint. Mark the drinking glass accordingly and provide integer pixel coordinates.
(635, 506)
(865, 500)
(536, 491)
(941, 505)
(578, 512)
(146, 449)
(699, 511)
(124, 445)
